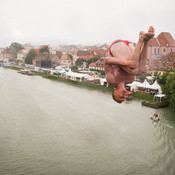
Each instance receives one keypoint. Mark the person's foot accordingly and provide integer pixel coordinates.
(150, 34)
(144, 37)
(141, 36)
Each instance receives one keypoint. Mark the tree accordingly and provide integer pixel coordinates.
(141, 78)
(169, 89)
(156, 76)
(162, 79)
(92, 60)
(44, 49)
(70, 56)
(15, 47)
(74, 68)
(30, 56)
(79, 62)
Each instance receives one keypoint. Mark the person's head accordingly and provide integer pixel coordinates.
(119, 93)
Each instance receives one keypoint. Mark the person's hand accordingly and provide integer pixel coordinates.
(131, 67)
(131, 64)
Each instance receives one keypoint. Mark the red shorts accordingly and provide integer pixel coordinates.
(116, 41)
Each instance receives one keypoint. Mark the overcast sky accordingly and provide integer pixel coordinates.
(82, 21)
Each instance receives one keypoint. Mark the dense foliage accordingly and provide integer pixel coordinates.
(167, 82)
(169, 89)
(141, 78)
(15, 47)
(74, 68)
(79, 62)
(102, 72)
(70, 56)
(30, 56)
(44, 49)
(92, 60)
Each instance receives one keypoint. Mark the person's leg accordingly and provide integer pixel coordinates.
(140, 51)
(136, 52)
(138, 48)
(121, 50)
(143, 57)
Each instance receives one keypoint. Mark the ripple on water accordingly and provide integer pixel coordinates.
(54, 128)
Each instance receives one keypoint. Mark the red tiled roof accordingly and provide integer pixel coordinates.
(153, 42)
(102, 52)
(86, 57)
(165, 39)
(65, 57)
(5, 50)
(165, 62)
(92, 64)
(84, 53)
(169, 57)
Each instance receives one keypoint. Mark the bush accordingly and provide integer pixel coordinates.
(142, 96)
(13, 67)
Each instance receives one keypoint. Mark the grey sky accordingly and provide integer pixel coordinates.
(82, 21)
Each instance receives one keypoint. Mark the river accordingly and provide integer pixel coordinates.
(52, 128)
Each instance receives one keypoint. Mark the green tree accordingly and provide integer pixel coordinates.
(70, 56)
(44, 49)
(141, 78)
(156, 76)
(162, 79)
(169, 90)
(74, 68)
(79, 62)
(30, 56)
(15, 47)
(92, 60)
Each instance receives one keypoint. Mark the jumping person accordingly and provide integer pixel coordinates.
(124, 61)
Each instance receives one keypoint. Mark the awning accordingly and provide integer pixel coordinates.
(160, 96)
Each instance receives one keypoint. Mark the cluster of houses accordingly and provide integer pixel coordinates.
(64, 56)
(161, 55)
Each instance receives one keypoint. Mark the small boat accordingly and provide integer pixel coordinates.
(155, 118)
(26, 72)
(30, 73)
(129, 97)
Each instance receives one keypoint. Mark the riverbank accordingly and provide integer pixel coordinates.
(72, 82)
(149, 102)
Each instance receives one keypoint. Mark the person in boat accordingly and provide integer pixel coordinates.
(157, 117)
(124, 61)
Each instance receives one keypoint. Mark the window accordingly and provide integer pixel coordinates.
(155, 50)
(164, 50)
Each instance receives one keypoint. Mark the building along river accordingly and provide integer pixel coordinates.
(49, 127)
